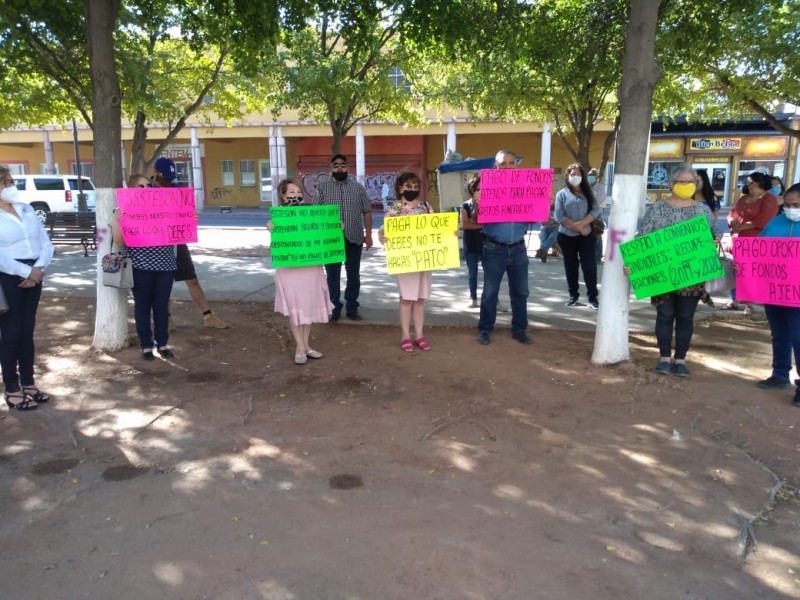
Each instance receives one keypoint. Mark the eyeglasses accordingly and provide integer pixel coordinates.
(339, 165)
(9, 182)
(145, 185)
(685, 181)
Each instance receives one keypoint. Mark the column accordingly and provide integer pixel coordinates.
(547, 143)
(451, 139)
(124, 163)
(281, 154)
(50, 162)
(197, 171)
(273, 165)
(361, 171)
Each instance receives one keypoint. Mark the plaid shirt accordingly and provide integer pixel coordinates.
(353, 203)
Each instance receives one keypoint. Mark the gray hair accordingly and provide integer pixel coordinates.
(498, 158)
(676, 171)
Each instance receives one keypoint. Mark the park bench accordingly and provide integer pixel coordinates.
(73, 229)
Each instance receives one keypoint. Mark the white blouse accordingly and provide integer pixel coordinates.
(25, 239)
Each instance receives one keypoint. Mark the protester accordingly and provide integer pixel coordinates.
(575, 210)
(165, 176)
(354, 206)
(750, 215)
(415, 287)
(385, 195)
(548, 234)
(301, 293)
(153, 275)
(600, 197)
(504, 252)
(473, 236)
(777, 190)
(25, 253)
(675, 310)
(705, 192)
(784, 321)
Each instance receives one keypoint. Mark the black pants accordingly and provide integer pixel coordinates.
(16, 332)
(352, 267)
(579, 249)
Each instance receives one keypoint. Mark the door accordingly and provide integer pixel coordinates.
(719, 174)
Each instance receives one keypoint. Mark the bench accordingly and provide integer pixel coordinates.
(73, 229)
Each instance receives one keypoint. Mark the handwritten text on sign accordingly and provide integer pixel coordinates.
(768, 270)
(515, 195)
(672, 258)
(421, 243)
(157, 216)
(303, 236)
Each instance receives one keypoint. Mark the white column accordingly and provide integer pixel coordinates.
(273, 165)
(361, 171)
(124, 163)
(451, 139)
(49, 158)
(197, 171)
(281, 151)
(547, 144)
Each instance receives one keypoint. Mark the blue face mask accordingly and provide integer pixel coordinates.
(592, 179)
(775, 190)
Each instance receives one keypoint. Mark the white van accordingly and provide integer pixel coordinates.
(54, 193)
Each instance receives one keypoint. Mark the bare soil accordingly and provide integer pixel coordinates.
(471, 472)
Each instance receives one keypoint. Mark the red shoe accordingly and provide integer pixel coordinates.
(422, 344)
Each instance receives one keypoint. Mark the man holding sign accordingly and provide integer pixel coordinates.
(504, 252)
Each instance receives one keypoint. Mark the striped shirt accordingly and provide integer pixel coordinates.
(353, 203)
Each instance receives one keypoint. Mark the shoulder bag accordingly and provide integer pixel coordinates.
(117, 269)
(725, 282)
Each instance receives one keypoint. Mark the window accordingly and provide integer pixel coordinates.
(43, 169)
(398, 80)
(15, 168)
(227, 172)
(49, 184)
(247, 173)
(87, 169)
(658, 174)
(266, 181)
(774, 168)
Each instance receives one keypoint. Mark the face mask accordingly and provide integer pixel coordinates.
(410, 194)
(793, 214)
(592, 179)
(10, 194)
(776, 190)
(294, 200)
(340, 175)
(575, 180)
(684, 190)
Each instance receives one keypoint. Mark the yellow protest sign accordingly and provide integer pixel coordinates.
(421, 243)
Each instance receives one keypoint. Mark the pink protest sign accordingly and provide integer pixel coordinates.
(157, 216)
(515, 195)
(768, 270)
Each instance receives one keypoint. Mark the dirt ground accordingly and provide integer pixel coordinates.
(467, 472)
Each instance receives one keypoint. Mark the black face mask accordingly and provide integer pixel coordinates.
(294, 200)
(410, 194)
(340, 175)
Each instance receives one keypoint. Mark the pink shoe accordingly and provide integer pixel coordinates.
(422, 344)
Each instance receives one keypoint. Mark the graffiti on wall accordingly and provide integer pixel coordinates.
(373, 183)
(220, 192)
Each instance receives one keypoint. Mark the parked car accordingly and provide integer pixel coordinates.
(54, 193)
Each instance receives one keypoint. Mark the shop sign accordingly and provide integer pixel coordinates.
(722, 144)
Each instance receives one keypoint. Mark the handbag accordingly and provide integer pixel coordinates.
(724, 282)
(598, 227)
(117, 270)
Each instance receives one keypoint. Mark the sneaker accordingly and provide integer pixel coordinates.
(483, 338)
(522, 338)
(593, 305)
(474, 304)
(680, 370)
(774, 383)
(663, 368)
(212, 320)
(573, 301)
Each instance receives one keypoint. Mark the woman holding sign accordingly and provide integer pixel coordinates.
(414, 287)
(575, 210)
(675, 310)
(784, 321)
(301, 293)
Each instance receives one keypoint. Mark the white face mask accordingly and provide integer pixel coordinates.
(793, 214)
(10, 194)
(575, 180)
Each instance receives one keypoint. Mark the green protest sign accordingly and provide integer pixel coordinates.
(672, 258)
(303, 236)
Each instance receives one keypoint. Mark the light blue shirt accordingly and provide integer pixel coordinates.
(505, 233)
(573, 207)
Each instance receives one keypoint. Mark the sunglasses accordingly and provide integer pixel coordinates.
(339, 165)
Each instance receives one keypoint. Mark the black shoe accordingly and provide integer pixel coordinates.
(483, 338)
(355, 316)
(335, 316)
(573, 301)
(796, 401)
(522, 337)
(593, 305)
(148, 355)
(774, 383)
(166, 353)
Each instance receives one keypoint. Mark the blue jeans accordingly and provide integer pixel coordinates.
(151, 290)
(497, 261)
(547, 237)
(16, 332)
(352, 267)
(473, 260)
(579, 249)
(784, 326)
(678, 311)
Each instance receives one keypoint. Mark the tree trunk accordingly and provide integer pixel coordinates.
(138, 162)
(338, 139)
(111, 324)
(640, 73)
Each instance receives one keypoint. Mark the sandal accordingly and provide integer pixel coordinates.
(300, 359)
(314, 354)
(406, 346)
(37, 396)
(422, 344)
(25, 403)
(730, 305)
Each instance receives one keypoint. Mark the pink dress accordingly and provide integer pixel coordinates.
(413, 286)
(301, 293)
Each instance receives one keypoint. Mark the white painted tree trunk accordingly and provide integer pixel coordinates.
(640, 73)
(611, 334)
(111, 318)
